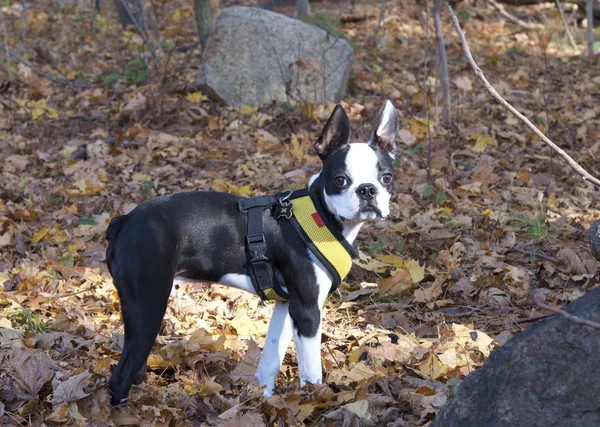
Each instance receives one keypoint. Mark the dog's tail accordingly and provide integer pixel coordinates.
(114, 227)
(111, 235)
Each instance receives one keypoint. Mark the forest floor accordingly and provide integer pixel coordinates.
(441, 283)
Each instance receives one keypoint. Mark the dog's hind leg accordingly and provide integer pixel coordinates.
(277, 341)
(143, 307)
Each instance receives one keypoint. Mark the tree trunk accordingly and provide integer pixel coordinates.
(302, 8)
(203, 13)
(442, 61)
(128, 9)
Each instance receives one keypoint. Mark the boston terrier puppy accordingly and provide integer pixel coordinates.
(203, 236)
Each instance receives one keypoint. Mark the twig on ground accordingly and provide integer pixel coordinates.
(534, 318)
(5, 46)
(535, 254)
(566, 24)
(503, 12)
(584, 174)
(46, 75)
(564, 314)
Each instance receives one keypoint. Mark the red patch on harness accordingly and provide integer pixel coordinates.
(318, 219)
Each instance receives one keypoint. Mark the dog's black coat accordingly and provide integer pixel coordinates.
(201, 236)
(162, 238)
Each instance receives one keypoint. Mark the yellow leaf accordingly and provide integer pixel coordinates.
(141, 177)
(482, 142)
(431, 367)
(196, 97)
(428, 294)
(245, 190)
(246, 109)
(394, 260)
(223, 186)
(371, 264)
(36, 112)
(37, 237)
(420, 128)
(208, 387)
(417, 272)
(246, 326)
(52, 113)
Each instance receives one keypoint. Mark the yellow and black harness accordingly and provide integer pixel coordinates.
(310, 221)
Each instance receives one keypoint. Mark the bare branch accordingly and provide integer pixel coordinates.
(584, 174)
(46, 75)
(564, 314)
(566, 24)
(442, 62)
(503, 12)
(140, 30)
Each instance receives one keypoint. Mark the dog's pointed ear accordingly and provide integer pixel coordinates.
(385, 129)
(335, 135)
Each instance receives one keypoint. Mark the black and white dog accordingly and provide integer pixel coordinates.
(200, 236)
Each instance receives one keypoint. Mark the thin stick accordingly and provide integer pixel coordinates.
(584, 174)
(535, 254)
(139, 28)
(534, 318)
(503, 12)
(566, 24)
(564, 314)
(5, 46)
(426, 90)
(46, 75)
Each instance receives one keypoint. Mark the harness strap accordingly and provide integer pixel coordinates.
(261, 272)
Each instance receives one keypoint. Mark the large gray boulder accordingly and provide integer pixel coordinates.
(546, 376)
(255, 56)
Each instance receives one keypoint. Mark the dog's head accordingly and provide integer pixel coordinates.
(357, 179)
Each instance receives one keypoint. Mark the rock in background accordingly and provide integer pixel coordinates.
(545, 376)
(255, 56)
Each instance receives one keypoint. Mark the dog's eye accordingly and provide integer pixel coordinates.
(387, 178)
(340, 181)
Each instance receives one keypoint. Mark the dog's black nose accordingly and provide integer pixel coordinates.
(366, 191)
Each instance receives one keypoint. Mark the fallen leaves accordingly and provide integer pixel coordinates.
(394, 346)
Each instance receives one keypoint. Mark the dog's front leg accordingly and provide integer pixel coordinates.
(278, 339)
(306, 313)
(307, 338)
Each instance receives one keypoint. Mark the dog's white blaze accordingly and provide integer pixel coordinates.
(308, 349)
(361, 166)
(276, 344)
(240, 281)
(350, 231)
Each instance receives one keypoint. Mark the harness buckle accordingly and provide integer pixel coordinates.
(257, 247)
(285, 196)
